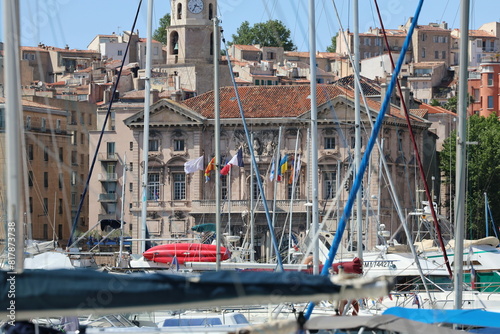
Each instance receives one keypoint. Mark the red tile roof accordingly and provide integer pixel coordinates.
(27, 103)
(246, 47)
(271, 101)
(436, 109)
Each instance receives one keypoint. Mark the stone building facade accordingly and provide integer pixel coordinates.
(180, 132)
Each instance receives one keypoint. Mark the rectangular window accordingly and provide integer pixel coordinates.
(131, 167)
(82, 159)
(82, 138)
(490, 102)
(73, 199)
(443, 54)
(131, 145)
(329, 184)
(45, 179)
(58, 125)
(73, 178)
(436, 54)
(74, 135)
(179, 186)
(30, 152)
(44, 124)
(490, 79)
(30, 178)
(60, 206)
(290, 190)
(2, 119)
(45, 205)
(120, 52)
(223, 181)
(131, 187)
(73, 158)
(423, 52)
(154, 145)
(28, 123)
(153, 186)
(329, 143)
(45, 153)
(31, 204)
(45, 231)
(178, 144)
(61, 154)
(60, 180)
(111, 150)
(256, 190)
(60, 231)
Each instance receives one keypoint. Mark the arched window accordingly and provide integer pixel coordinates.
(174, 43)
(210, 11)
(179, 11)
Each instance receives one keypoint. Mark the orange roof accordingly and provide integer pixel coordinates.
(27, 103)
(246, 47)
(436, 109)
(144, 40)
(431, 28)
(59, 83)
(271, 101)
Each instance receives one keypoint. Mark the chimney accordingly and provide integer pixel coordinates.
(406, 96)
(176, 96)
(154, 95)
(383, 91)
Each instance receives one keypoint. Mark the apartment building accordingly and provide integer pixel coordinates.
(48, 154)
(484, 88)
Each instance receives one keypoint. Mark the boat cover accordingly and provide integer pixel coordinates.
(78, 292)
(473, 317)
(381, 322)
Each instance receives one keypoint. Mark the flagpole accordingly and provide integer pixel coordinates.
(276, 173)
(252, 221)
(228, 196)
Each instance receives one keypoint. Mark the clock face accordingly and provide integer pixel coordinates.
(195, 6)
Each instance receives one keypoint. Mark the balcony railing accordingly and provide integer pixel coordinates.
(107, 177)
(102, 216)
(108, 197)
(108, 157)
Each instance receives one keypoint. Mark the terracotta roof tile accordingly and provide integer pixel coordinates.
(272, 101)
(27, 103)
(370, 87)
(436, 109)
(246, 47)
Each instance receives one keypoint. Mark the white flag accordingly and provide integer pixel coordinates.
(192, 166)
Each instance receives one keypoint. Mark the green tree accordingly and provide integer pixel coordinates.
(483, 170)
(452, 103)
(270, 33)
(160, 34)
(435, 103)
(333, 47)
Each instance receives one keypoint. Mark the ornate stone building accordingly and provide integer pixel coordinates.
(180, 132)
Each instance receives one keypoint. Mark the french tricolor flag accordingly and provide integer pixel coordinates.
(237, 160)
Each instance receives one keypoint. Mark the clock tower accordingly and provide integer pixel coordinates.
(190, 34)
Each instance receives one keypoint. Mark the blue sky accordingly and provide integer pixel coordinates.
(76, 23)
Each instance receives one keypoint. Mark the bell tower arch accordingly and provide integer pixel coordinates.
(190, 35)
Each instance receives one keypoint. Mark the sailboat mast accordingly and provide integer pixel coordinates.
(314, 137)
(217, 140)
(145, 138)
(357, 129)
(13, 111)
(461, 154)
